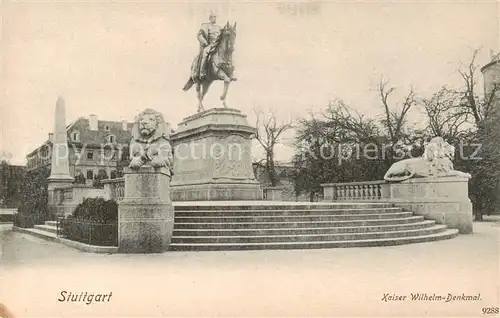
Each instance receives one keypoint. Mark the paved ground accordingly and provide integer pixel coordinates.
(335, 282)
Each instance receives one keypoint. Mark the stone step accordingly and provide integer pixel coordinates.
(283, 212)
(446, 234)
(48, 228)
(302, 230)
(291, 224)
(43, 234)
(307, 237)
(279, 205)
(293, 218)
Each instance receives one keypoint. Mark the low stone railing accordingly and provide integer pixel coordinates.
(443, 199)
(66, 198)
(114, 189)
(356, 191)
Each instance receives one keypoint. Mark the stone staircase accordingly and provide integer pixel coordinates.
(47, 231)
(299, 226)
(289, 225)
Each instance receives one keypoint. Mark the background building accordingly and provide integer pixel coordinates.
(95, 146)
(491, 78)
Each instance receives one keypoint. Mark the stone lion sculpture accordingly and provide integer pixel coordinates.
(150, 144)
(435, 162)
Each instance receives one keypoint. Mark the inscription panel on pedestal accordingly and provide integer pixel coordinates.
(232, 157)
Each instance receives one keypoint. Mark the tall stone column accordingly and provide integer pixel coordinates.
(59, 174)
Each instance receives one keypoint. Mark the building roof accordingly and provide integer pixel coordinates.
(494, 60)
(94, 137)
(98, 137)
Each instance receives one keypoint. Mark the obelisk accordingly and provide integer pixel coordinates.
(59, 174)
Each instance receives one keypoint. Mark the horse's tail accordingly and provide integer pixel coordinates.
(188, 85)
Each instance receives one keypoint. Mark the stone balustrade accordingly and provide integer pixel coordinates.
(356, 191)
(114, 189)
(443, 199)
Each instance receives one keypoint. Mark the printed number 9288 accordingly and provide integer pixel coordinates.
(490, 310)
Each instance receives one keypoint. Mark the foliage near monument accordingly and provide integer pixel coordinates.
(10, 184)
(327, 143)
(96, 210)
(79, 179)
(34, 194)
(342, 145)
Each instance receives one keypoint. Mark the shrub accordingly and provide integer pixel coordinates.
(79, 179)
(34, 193)
(97, 210)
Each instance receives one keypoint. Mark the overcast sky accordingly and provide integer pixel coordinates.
(115, 59)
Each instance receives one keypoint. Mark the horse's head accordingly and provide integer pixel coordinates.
(229, 38)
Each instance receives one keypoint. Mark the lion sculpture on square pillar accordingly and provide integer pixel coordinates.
(150, 144)
(435, 162)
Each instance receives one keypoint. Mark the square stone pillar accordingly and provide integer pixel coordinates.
(273, 193)
(146, 213)
(443, 199)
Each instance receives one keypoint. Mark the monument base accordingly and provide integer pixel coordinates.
(146, 214)
(54, 208)
(443, 199)
(213, 157)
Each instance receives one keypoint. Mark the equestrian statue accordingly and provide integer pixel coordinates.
(215, 59)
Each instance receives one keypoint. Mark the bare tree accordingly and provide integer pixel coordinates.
(345, 124)
(446, 116)
(269, 134)
(471, 104)
(395, 117)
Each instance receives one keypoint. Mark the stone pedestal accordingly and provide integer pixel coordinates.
(443, 199)
(146, 214)
(54, 197)
(273, 193)
(212, 157)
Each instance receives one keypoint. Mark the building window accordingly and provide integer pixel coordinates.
(90, 155)
(102, 174)
(90, 174)
(111, 139)
(113, 174)
(106, 128)
(75, 136)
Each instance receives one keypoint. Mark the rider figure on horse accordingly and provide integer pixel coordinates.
(209, 37)
(214, 61)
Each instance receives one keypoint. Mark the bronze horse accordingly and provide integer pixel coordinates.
(219, 67)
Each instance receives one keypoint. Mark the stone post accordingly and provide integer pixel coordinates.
(444, 200)
(146, 213)
(59, 173)
(273, 193)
